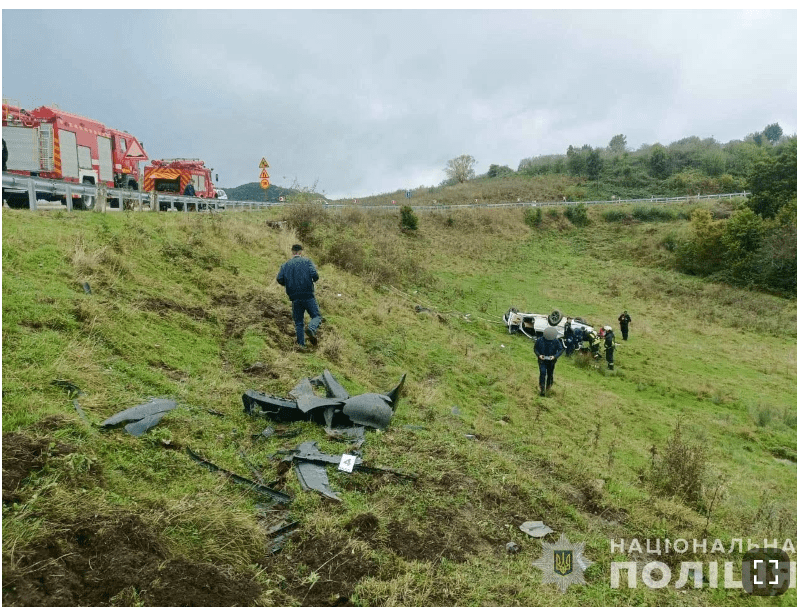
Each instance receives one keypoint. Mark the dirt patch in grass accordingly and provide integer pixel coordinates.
(97, 561)
(442, 535)
(162, 306)
(364, 526)
(22, 455)
(319, 570)
(171, 373)
(242, 312)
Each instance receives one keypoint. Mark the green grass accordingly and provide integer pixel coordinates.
(182, 306)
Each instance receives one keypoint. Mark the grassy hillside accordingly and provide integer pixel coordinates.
(187, 308)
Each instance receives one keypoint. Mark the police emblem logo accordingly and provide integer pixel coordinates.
(563, 563)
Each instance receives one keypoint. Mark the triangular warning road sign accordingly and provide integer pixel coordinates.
(263, 164)
(135, 151)
(264, 174)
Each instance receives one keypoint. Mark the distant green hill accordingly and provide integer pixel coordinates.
(253, 192)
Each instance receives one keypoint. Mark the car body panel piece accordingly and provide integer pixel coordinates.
(337, 409)
(138, 428)
(369, 409)
(313, 476)
(136, 413)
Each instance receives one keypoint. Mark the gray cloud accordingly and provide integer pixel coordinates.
(366, 102)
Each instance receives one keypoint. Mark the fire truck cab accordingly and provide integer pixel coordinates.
(54, 144)
(171, 176)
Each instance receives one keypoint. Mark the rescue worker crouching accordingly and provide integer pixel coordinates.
(594, 344)
(548, 349)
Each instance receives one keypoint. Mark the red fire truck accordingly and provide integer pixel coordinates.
(171, 176)
(54, 144)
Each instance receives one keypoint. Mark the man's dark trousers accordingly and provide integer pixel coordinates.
(300, 306)
(546, 373)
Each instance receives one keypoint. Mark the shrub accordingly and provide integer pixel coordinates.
(409, 221)
(532, 216)
(653, 214)
(764, 417)
(577, 214)
(616, 215)
(702, 253)
(681, 469)
(304, 218)
(582, 360)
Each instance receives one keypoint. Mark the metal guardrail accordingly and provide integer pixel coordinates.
(115, 199)
(662, 199)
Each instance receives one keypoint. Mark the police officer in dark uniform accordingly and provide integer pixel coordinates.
(624, 320)
(548, 349)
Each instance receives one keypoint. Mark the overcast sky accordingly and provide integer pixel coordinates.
(366, 102)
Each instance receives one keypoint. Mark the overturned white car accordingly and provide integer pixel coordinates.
(533, 325)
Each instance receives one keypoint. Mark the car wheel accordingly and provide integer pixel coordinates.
(554, 318)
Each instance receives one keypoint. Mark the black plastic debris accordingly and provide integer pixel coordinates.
(255, 472)
(354, 435)
(73, 391)
(308, 451)
(138, 419)
(80, 412)
(266, 433)
(308, 463)
(70, 387)
(86, 288)
(338, 408)
(280, 534)
(277, 496)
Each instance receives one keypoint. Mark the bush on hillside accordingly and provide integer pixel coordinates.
(653, 214)
(680, 470)
(701, 253)
(743, 250)
(532, 216)
(616, 215)
(304, 218)
(409, 221)
(499, 171)
(577, 214)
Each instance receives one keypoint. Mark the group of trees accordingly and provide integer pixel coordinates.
(757, 245)
(688, 166)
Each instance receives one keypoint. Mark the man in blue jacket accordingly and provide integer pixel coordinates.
(548, 349)
(297, 276)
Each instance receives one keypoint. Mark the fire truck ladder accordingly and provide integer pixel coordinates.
(46, 157)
